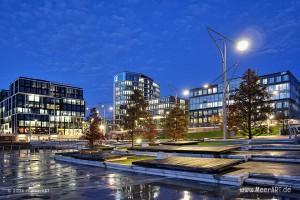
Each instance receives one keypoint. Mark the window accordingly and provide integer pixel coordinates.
(271, 80)
(265, 81)
(278, 79)
(215, 90)
(30, 97)
(285, 78)
(278, 105)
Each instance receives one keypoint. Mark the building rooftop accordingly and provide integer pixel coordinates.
(51, 82)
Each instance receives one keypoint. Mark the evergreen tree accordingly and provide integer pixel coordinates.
(175, 124)
(250, 106)
(94, 132)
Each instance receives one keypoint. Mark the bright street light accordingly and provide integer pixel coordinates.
(242, 45)
(186, 92)
(205, 85)
(110, 108)
(138, 141)
(102, 127)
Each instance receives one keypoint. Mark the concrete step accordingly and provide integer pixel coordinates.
(271, 156)
(272, 141)
(280, 147)
(295, 185)
(278, 180)
(275, 159)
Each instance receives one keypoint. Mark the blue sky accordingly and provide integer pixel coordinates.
(85, 43)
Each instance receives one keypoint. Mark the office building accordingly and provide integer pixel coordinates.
(160, 107)
(124, 85)
(42, 109)
(206, 101)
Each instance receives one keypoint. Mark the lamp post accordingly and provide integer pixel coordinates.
(110, 109)
(220, 42)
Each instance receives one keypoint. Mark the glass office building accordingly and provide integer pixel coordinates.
(42, 108)
(160, 107)
(124, 85)
(284, 88)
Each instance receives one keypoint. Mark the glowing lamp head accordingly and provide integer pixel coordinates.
(206, 85)
(138, 141)
(186, 92)
(242, 45)
(102, 127)
(111, 108)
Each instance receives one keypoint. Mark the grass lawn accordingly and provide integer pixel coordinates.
(201, 135)
(219, 134)
(131, 159)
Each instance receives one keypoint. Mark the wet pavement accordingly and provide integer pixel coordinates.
(25, 175)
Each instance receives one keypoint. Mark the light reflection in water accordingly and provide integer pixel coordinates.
(186, 195)
(39, 171)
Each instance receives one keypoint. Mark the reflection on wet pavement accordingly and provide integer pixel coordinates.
(26, 175)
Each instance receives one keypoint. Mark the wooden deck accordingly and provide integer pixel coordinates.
(187, 149)
(205, 165)
(179, 143)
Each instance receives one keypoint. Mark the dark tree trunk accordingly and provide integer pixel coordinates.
(132, 139)
(249, 128)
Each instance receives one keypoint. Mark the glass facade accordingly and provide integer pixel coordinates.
(124, 85)
(42, 107)
(160, 107)
(283, 87)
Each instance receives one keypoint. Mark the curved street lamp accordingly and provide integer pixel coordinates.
(220, 42)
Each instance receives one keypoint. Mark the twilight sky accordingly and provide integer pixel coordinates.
(85, 43)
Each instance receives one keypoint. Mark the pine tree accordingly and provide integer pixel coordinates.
(94, 132)
(175, 124)
(136, 115)
(250, 106)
